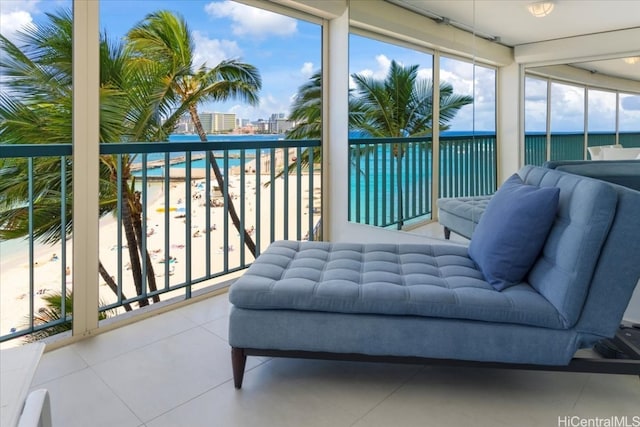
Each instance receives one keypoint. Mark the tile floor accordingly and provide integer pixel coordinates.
(174, 370)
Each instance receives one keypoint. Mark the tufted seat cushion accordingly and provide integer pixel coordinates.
(462, 214)
(412, 280)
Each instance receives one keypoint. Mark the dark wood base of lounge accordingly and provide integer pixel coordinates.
(577, 364)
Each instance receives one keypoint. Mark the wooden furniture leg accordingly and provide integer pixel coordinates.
(238, 361)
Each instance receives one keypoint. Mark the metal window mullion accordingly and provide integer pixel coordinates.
(310, 214)
(299, 191)
(367, 186)
(188, 236)
(258, 200)
(119, 223)
(225, 197)
(167, 222)
(412, 179)
(392, 186)
(356, 163)
(376, 185)
(384, 180)
(143, 232)
(285, 176)
(31, 249)
(272, 188)
(243, 195)
(63, 236)
(207, 214)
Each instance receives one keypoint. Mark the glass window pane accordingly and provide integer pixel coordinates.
(602, 111)
(567, 108)
(480, 114)
(391, 102)
(535, 105)
(601, 117)
(35, 191)
(567, 122)
(535, 120)
(629, 112)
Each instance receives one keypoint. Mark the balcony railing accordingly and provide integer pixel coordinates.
(391, 179)
(571, 145)
(386, 180)
(182, 218)
(467, 165)
(391, 183)
(186, 233)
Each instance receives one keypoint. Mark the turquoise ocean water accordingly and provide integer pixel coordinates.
(201, 163)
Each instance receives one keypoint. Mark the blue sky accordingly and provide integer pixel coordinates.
(287, 51)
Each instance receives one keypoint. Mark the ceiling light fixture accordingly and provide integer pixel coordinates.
(632, 60)
(540, 9)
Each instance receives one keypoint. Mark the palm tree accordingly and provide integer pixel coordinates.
(53, 312)
(306, 113)
(162, 41)
(37, 109)
(401, 105)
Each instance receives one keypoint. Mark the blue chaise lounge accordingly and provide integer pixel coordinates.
(485, 303)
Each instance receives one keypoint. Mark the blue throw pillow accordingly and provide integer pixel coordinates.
(512, 231)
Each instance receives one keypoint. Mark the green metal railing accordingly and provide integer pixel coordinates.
(467, 165)
(391, 183)
(571, 145)
(20, 291)
(388, 182)
(187, 236)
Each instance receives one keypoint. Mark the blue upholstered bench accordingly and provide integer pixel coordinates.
(434, 302)
(461, 214)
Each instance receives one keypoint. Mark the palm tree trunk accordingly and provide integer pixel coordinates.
(132, 242)
(137, 225)
(248, 240)
(112, 284)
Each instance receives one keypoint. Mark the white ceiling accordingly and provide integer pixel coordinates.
(512, 24)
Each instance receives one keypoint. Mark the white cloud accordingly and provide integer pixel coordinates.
(15, 16)
(380, 73)
(307, 69)
(14, 21)
(425, 73)
(383, 67)
(567, 108)
(252, 22)
(460, 84)
(213, 51)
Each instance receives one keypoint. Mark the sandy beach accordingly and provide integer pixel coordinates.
(187, 232)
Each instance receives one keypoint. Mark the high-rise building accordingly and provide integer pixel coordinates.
(206, 119)
(278, 123)
(223, 122)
